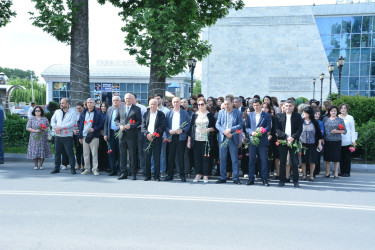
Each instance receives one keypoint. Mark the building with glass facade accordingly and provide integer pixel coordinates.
(111, 78)
(277, 51)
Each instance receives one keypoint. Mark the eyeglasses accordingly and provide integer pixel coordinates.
(209, 100)
(200, 104)
(38, 110)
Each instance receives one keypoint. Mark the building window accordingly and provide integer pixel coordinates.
(60, 90)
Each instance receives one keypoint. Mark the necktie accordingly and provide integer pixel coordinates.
(127, 111)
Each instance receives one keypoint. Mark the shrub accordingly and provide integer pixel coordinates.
(53, 106)
(15, 134)
(361, 108)
(366, 140)
(303, 99)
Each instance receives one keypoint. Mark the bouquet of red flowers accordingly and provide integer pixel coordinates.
(255, 140)
(154, 135)
(118, 133)
(226, 141)
(43, 130)
(352, 148)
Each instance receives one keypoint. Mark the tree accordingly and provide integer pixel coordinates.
(197, 87)
(67, 21)
(20, 95)
(164, 34)
(5, 12)
(18, 73)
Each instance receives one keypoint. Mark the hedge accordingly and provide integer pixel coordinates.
(15, 134)
(366, 140)
(361, 108)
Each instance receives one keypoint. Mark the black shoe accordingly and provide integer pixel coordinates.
(296, 184)
(183, 179)
(327, 176)
(346, 175)
(109, 171)
(147, 179)
(341, 174)
(56, 171)
(112, 174)
(287, 180)
(265, 183)
(335, 177)
(277, 177)
(281, 184)
(168, 178)
(250, 182)
(134, 178)
(221, 181)
(157, 179)
(72, 171)
(1, 162)
(123, 177)
(237, 182)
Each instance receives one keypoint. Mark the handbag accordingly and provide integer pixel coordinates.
(89, 137)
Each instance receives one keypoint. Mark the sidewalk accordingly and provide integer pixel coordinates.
(357, 168)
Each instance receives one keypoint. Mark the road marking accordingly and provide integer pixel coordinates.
(191, 198)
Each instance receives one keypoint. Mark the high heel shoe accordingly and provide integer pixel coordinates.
(327, 176)
(335, 177)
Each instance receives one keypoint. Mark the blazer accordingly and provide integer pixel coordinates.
(159, 123)
(296, 124)
(96, 125)
(264, 121)
(184, 117)
(123, 119)
(107, 122)
(211, 124)
(237, 123)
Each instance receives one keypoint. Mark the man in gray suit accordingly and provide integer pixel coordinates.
(110, 128)
(127, 120)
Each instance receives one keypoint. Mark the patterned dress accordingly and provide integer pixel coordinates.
(38, 142)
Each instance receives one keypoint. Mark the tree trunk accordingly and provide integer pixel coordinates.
(157, 77)
(79, 54)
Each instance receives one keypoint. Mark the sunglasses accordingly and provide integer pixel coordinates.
(200, 104)
(38, 110)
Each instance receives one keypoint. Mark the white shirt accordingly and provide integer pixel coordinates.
(30, 112)
(175, 120)
(257, 118)
(351, 135)
(164, 109)
(288, 125)
(151, 124)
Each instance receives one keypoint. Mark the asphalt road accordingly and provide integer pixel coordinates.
(43, 211)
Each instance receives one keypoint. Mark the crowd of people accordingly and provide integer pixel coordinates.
(229, 137)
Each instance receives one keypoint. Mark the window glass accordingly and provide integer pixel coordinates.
(324, 25)
(344, 83)
(354, 55)
(123, 87)
(344, 70)
(353, 93)
(355, 40)
(335, 41)
(129, 88)
(366, 40)
(353, 83)
(365, 55)
(334, 55)
(326, 40)
(366, 27)
(356, 24)
(373, 54)
(345, 41)
(365, 69)
(364, 84)
(363, 93)
(56, 93)
(144, 87)
(372, 83)
(354, 69)
(372, 93)
(137, 88)
(346, 25)
(372, 69)
(335, 25)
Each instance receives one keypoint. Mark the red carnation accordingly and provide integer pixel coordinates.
(300, 154)
(109, 151)
(277, 143)
(75, 125)
(238, 131)
(91, 121)
(85, 122)
(341, 127)
(262, 130)
(64, 128)
(66, 132)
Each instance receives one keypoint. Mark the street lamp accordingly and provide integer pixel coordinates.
(192, 63)
(331, 67)
(3, 78)
(314, 81)
(340, 64)
(321, 88)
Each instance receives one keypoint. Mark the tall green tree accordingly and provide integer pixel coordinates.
(164, 34)
(14, 73)
(5, 12)
(20, 95)
(68, 22)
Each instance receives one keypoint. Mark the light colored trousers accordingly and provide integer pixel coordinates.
(93, 148)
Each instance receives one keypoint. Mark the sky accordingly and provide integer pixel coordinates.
(27, 47)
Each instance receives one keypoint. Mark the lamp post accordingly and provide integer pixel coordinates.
(340, 64)
(192, 63)
(331, 67)
(321, 88)
(3, 78)
(314, 81)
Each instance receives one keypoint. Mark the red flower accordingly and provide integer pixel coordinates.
(277, 143)
(352, 149)
(66, 132)
(247, 154)
(238, 131)
(262, 130)
(75, 125)
(168, 140)
(85, 122)
(91, 121)
(156, 134)
(133, 121)
(109, 151)
(300, 154)
(64, 128)
(240, 157)
(341, 127)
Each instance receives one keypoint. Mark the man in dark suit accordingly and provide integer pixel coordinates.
(228, 122)
(289, 128)
(110, 128)
(177, 145)
(254, 120)
(129, 137)
(238, 104)
(153, 122)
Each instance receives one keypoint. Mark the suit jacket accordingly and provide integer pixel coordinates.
(123, 119)
(237, 123)
(184, 117)
(159, 123)
(296, 124)
(264, 121)
(107, 122)
(211, 124)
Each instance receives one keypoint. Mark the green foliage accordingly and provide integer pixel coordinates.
(334, 96)
(303, 99)
(18, 73)
(366, 140)
(165, 34)
(5, 12)
(15, 134)
(54, 17)
(20, 95)
(197, 87)
(52, 107)
(361, 108)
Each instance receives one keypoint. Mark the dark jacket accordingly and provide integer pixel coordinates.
(184, 117)
(211, 124)
(123, 119)
(264, 121)
(159, 123)
(296, 126)
(96, 125)
(318, 132)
